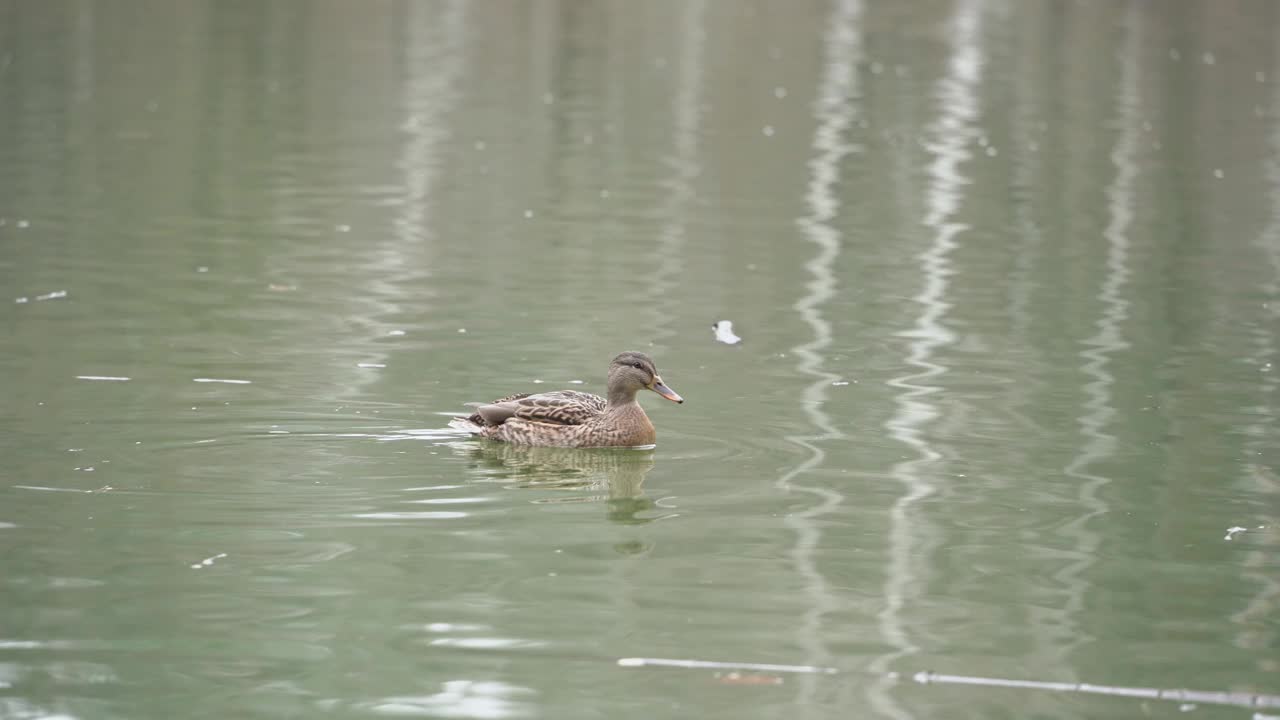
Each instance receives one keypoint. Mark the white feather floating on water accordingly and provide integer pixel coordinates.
(724, 332)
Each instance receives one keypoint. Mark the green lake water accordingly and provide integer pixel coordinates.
(1006, 407)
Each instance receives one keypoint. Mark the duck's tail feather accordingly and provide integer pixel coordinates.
(465, 424)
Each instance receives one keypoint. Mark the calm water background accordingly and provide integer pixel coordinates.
(1008, 275)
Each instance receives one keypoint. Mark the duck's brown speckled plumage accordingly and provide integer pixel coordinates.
(568, 418)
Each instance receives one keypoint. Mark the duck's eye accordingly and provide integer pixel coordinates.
(637, 366)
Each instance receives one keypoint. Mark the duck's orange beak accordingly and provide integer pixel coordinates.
(666, 392)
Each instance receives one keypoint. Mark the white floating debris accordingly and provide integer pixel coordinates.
(767, 130)
(462, 330)
(342, 228)
(538, 382)
(21, 300)
(575, 382)
(24, 223)
(50, 295)
(224, 381)
(371, 365)
(111, 378)
(1233, 531)
(840, 382)
(395, 333)
(207, 561)
(1208, 58)
(779, 92)
(724, 332)
(202, 269)
(528, 213)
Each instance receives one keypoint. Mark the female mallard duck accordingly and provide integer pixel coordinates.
(568, 418)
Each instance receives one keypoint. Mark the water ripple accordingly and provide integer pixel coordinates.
(459, 699)
(412, 515)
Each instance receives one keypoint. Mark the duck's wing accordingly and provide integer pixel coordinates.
(561, 407)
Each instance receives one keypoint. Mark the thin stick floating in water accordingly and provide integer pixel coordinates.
(713, 665)
(1205, 697)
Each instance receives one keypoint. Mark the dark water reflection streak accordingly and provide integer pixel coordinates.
(1028, 161)
(835, 111)
(1027, 158)
(951, 135)
(686, 111)
(1098, 408)
(1263, 436)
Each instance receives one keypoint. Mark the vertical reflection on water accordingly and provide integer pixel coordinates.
(1253, 634)
(953, 132)
(433, 60)
(686, 112)
(1108, 340)
(834, 111)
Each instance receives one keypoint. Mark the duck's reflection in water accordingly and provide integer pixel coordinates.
(613, 476)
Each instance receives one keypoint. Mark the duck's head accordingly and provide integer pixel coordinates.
(632, 372)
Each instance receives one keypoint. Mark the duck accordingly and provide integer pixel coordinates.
(569, 418)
